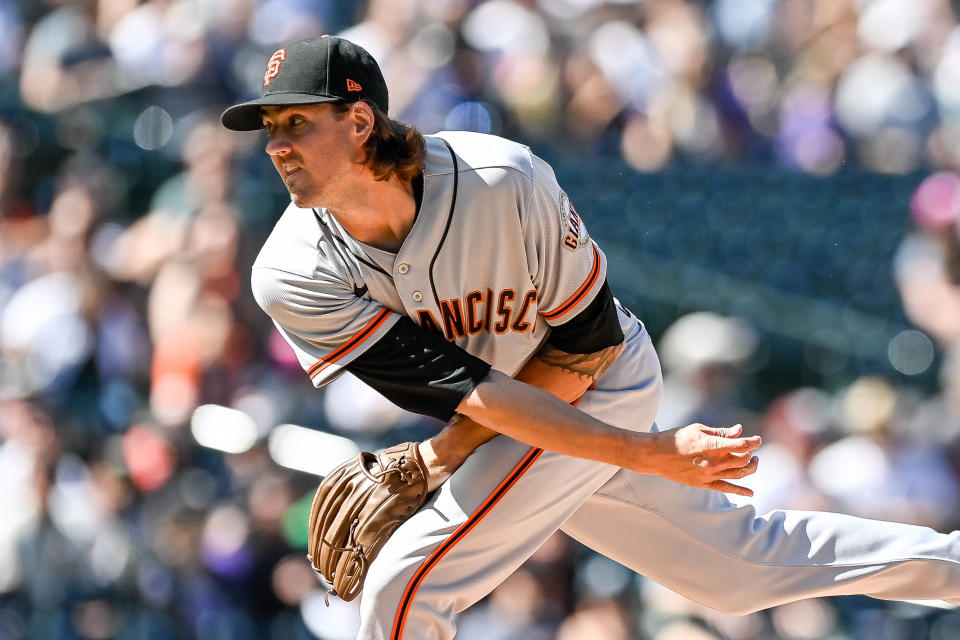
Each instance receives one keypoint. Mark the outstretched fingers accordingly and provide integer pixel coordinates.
(723, 432)
(729, 466)
(728, 487)
(710, 457)
(742, 467)
(727, 441)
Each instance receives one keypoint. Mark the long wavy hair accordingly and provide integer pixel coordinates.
(393, 148)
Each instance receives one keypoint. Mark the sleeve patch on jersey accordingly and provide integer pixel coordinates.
(574, 232)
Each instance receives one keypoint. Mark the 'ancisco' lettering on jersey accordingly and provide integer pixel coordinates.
(481, 311)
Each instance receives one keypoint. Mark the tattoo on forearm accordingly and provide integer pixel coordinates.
(586, 365)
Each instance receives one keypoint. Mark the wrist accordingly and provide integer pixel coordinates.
(445, 452)
(437, 471)
(639, 451)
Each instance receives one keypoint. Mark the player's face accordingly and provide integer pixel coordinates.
(313, 149)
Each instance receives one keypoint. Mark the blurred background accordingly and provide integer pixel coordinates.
(774, 181)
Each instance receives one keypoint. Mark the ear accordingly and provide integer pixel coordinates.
(362, 119)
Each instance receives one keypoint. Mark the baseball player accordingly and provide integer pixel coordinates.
(452, 274)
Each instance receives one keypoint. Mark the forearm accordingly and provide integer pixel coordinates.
(502, 404)
(695, 455)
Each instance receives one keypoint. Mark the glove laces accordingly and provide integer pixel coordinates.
(357, 556)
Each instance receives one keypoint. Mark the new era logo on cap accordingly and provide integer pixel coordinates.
(353, 86)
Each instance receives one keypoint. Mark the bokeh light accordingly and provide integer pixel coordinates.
(936, 202)
(223, 428)
(152, 128)
(911, 352)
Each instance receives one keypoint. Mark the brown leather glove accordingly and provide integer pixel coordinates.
(357, 507)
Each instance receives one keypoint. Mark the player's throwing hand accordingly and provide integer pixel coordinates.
(706, 457)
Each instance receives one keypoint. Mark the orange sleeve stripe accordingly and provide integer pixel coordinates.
(408, 595)
(351, 344)
(581, 292)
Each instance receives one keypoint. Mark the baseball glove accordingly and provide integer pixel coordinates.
(357, 507)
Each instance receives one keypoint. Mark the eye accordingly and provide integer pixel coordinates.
(296, 121)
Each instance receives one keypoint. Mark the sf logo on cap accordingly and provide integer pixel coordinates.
(273, 67)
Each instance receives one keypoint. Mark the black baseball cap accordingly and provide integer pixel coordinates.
(322, 69)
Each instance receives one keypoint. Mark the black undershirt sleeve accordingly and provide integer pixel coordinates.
(419, 370)
(422, 372)
(593, 329)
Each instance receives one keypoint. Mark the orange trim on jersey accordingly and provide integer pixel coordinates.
(408, 595)
(581, 292)
(351, 344)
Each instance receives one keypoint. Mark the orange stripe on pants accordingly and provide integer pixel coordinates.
(411, 591)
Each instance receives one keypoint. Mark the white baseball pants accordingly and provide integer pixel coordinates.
(507, 499)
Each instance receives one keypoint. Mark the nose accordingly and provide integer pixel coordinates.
(278, 145)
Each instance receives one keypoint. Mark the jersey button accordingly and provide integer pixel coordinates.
(417, 296)
(403, 268)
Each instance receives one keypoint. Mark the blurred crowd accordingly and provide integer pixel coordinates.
(159, 443)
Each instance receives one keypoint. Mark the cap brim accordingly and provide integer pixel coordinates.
(246, 115)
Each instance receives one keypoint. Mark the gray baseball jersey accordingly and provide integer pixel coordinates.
(496, 255)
